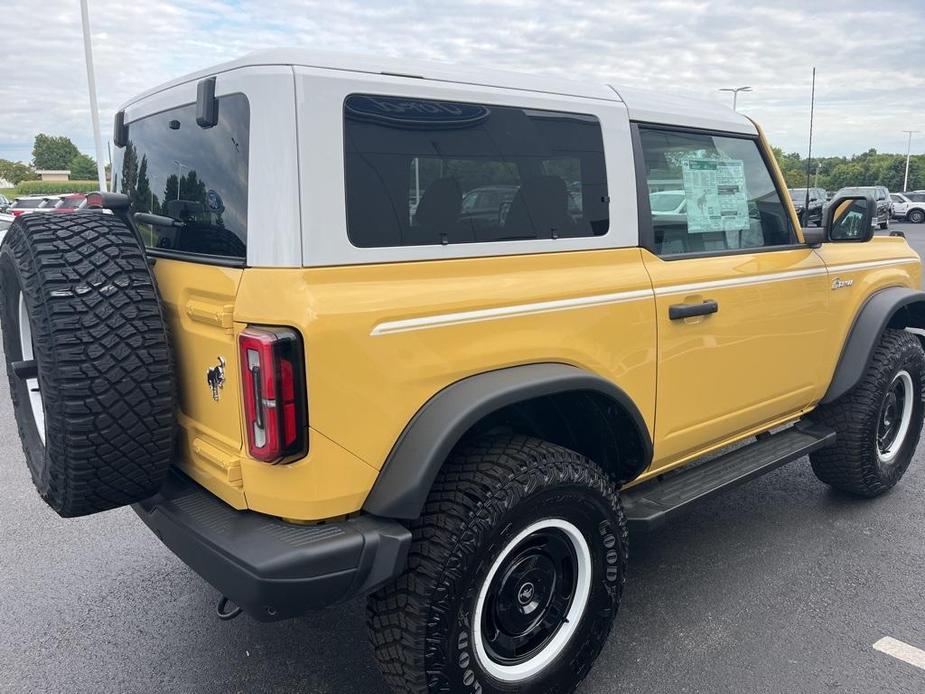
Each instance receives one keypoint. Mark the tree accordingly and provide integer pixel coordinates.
(51, 152)
(14, 171)
(82, 167)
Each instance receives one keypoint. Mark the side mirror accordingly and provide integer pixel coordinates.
(850, 218)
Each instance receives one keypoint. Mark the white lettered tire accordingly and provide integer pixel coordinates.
(514, 577)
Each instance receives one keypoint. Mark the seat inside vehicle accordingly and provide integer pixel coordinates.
(540, 210)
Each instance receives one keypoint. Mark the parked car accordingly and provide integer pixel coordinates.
(28, 204)
(4, 203)
(668, 202)
(466, 423)
(813, 213)
(5, 221)
(487, 205)
(880, 194)
(909, 206)
(71, 203)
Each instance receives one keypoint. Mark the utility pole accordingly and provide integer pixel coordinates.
(735, 93)
(180, 167)
(809, 156)
(91, 84)
(908, 152)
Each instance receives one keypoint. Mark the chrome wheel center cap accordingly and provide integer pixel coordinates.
(525, 594)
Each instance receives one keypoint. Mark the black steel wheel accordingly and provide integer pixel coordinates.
(514, 577)
(878, 422)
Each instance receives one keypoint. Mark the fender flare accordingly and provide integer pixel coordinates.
(417, 456)
(893, 306)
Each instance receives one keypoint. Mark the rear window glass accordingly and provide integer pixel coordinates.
(421, 172)
(27, 204)
(196, 177)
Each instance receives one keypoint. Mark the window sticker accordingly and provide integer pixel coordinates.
(717, 198)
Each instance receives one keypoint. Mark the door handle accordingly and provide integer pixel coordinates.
(679, 311)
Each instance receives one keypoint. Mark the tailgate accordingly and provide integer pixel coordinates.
(199, 302)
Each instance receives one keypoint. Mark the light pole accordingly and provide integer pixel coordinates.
(91, 84)
(735, 93)
(180, 167)
(908, 151)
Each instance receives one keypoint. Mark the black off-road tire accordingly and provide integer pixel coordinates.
(422, 626)
(916, 216)
(104, 364)
(884, 225)
(853, 464)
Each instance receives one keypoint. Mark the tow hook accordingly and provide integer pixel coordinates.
(224, 613)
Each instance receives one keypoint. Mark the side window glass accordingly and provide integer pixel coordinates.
(709, 193)
(423, 172)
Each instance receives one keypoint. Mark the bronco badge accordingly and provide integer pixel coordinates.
(216, 378)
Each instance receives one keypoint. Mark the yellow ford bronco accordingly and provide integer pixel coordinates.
(446, 338)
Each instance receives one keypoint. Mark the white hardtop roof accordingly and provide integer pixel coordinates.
(642, 104)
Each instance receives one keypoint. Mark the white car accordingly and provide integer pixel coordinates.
(5, 221)
(27, 204)
(909, 206)
(665, 202)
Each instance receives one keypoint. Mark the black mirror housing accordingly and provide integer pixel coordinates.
(850, 219)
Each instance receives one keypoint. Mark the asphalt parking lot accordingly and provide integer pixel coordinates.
(782, 585)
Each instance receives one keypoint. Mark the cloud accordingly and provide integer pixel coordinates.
(870, 81)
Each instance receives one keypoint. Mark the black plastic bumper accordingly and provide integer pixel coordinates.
(273, 569)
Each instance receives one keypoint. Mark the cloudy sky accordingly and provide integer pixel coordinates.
(870, 56)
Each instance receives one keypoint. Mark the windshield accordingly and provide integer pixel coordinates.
(197, 176)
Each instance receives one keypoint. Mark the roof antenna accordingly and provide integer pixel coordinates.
(809, 156)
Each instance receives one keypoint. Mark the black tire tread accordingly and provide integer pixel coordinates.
(473, 488)
(849, 465)
(105, 363)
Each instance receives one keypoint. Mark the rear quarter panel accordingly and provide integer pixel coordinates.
(369, 373)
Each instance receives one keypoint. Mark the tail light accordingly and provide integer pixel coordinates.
(16, 213)
(275, 400)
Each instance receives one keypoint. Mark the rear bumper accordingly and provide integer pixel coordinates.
(273, 569)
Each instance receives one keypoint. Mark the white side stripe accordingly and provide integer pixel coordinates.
(777, 276)
(872, 263)
(445, 319)
(901, 651)
(739, 281)
(400, 326)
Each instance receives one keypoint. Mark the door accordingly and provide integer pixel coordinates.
(741, 305)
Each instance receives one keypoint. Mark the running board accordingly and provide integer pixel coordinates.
(652, 503)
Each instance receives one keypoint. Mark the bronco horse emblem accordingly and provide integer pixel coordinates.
(216, 378)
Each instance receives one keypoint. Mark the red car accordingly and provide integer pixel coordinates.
(71, 202)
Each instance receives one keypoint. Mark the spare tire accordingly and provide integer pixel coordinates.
(88, 360)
